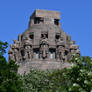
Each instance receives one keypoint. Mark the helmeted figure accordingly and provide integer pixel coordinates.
(44, 48)
(74, 49)
(61, 53)
(16, 50)
(11, 53)
(27, 44)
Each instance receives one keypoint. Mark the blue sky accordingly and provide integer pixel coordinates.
(76, 19)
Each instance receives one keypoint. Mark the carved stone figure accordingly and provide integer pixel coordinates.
(16, 54)
(44, 51)
(27, 40)
(27, 48)
(44, 47)
(61, 53)
(16, 48)
(28, 52)
(74, 49)
(11, 53)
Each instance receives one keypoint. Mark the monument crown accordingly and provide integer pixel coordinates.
(43, 45)
(45, 16)
(46, 13)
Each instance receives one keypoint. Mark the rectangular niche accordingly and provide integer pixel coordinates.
(36, 53)
(52, 52)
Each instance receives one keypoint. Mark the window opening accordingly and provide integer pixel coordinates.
(56, 22)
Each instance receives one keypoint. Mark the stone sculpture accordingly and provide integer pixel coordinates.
(43, 41)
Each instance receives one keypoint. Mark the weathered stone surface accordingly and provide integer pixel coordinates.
(46, 14)
(43, 45)
(42, 65)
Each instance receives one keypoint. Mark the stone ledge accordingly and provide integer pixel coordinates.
(41, 65)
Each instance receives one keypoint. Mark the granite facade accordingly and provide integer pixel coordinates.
(44, 45)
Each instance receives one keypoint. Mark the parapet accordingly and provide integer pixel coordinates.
(45, 17)
(46, 14)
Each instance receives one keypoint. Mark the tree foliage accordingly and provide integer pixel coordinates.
(77, 78)
(44, 81)
(9, 79)
(3, 46)
(80, 74)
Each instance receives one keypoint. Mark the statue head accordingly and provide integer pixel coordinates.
(61, 38)
(77, 47)
(14, 41)
(73, 42)
(10, 45)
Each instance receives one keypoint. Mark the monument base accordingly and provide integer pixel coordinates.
(25, 67)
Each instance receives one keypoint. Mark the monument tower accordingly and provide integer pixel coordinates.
(43, 45)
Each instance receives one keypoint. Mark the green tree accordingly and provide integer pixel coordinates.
(9, 79)
(3, 46)
(44, 81)
(77, 78)
(80, 74)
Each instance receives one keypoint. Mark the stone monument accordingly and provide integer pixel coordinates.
(43, 45)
